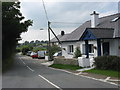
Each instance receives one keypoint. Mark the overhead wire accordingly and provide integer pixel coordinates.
(66, 22)
(55, 22)
(45, 10)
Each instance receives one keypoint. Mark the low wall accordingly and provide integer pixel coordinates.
(62, 60)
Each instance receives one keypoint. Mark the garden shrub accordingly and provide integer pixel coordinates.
(53, 50)
(107, 63)
(77, 52)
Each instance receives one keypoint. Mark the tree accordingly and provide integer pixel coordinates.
(53, 50)
(26, 42)
(12, 27)
(77, 52)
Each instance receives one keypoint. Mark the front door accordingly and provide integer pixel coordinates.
(105, 48)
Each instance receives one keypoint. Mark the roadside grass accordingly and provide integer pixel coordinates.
(65, 66)
(104, 72)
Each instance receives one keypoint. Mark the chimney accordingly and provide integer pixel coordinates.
(94, 19)
(62, 33)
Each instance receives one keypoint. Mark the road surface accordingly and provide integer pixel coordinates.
(30, 73)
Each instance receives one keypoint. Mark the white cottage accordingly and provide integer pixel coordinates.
(96, 37)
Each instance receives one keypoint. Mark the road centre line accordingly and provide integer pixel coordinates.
(42, 76)
(50, 82)
(30, 69)
(23, 61)
(103, 80)
(27, 66)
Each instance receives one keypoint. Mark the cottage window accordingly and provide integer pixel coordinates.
(90, 48)
(71, 48)
(83, 48)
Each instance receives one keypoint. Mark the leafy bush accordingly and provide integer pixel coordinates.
(107, 63)
(77, 53)
(35, 49)
(53, 50)
(25, 50)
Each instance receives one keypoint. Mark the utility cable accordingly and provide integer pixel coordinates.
(66, 22)
(45, 10)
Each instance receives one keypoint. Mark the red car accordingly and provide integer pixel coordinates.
(34, 55)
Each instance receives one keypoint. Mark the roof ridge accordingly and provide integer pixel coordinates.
(109, 15)
(99, 28)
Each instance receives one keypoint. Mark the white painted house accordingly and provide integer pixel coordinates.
(96, 37)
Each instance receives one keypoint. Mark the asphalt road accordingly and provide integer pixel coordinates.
(30, 73)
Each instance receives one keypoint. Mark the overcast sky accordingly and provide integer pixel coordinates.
(72, 12)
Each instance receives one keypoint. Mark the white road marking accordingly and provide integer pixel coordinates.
(23, 61)
(85, 76)
(70, 73)
(49, 82)
(114, 80)
(30, 69)
(27, 66)
(78, 73)
(107, 78)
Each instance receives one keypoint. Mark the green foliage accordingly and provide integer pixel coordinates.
(53, 50)
(46, 54)
(12, 27)
(35, 49)
(107, 63)
(77, 53)
(65, 66)
(104, 72)
(24, 49)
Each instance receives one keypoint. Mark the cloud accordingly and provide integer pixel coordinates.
(67, 0)
(34, 35)
(74, 12)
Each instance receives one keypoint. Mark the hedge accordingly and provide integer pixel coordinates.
(107, 63)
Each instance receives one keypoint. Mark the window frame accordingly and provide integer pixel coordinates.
(70, 49)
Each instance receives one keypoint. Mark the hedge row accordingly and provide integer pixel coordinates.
(107, 63)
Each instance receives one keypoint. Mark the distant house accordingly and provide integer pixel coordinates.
(96, 37)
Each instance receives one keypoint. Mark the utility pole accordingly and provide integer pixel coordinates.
(49, 51)
(49, 58)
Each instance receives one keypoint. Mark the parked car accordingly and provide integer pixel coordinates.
(29, 53)
(34, 55)
(58, 54)
(41, 54)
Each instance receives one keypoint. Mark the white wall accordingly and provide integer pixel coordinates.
(94, 42)
(114, 47)
(65, 45)
(94, 20)
(75, 44)
(113, 43)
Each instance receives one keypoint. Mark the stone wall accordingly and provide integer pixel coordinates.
(62, 60)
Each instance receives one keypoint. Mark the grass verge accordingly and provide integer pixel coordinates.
(104, 72)
(64, 66)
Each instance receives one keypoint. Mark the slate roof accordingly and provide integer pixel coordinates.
(104, 22)
(61, 38)
(102, 32)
